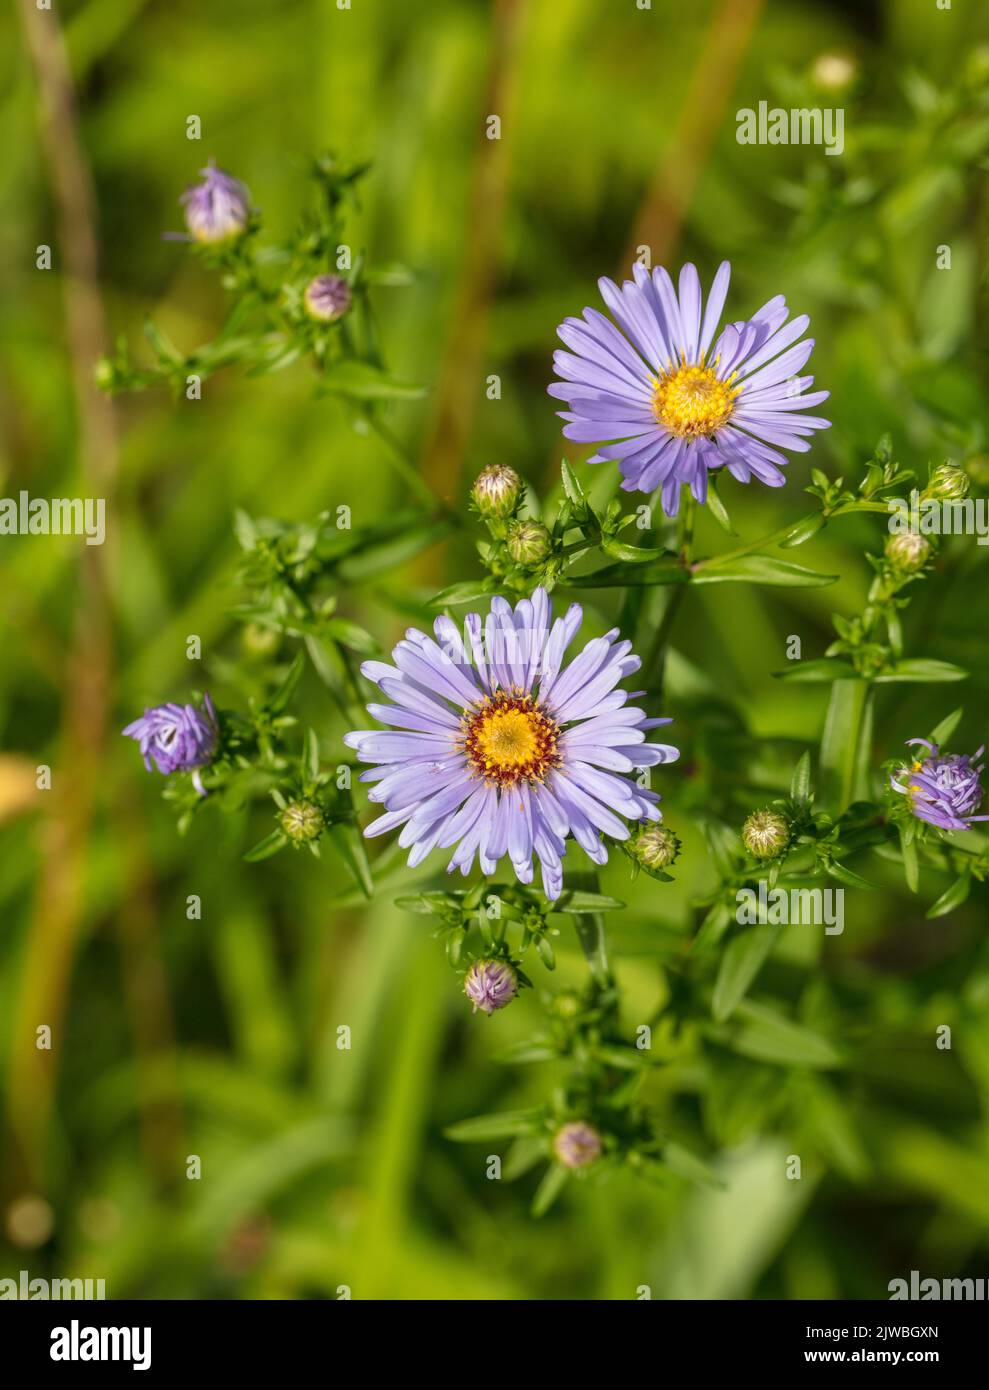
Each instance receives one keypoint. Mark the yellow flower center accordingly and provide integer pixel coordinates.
(693, 401)
(509, 740)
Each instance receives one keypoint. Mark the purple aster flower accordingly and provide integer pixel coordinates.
(499, 749)
(944, 790)
(327, 298)
(216, 209)
(177, 738)
(490, 985)
(675, 401)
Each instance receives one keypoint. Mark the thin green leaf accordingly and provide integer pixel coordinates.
(744, 957)
(759, 569)
(952, 897)
(553, 1182)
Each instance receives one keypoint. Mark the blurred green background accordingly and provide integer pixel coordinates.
(217, 1037)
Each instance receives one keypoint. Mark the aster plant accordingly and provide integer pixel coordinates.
(519, 760)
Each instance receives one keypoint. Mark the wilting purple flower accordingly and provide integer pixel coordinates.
(490, 985)
(577, 1144)
(678, 407)
(499, 749)
(177, 738)
(327, 298)
(943, 790)
(217, 208)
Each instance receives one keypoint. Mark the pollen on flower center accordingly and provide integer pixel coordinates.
(510, 740)
(692, 401)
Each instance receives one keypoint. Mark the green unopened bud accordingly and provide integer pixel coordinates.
(656, 847)
(567, 1004)
(908, 552)
(977, 468)
(577, 1144)
(765, 834)
(834, 71)
(948, 483)
(497, 490)
(259, 641)
(528, 542)
(977, 67)
(302, 821)
(105, 374)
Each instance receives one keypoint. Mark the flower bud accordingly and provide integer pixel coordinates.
(528, 542)
(948, 483)
(765, 834)
(302, 821)
(176, 738)
(577, 1144)
(496, 491)
(218, 208)
(260, 641)
(327, 298)
(834, 71)
(105, 374)
(977, 468)
(907, 552)
(490, 985)
(656, 848)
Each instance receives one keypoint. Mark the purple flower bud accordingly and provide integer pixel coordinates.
(496, 490)
(327, 298)
(944, 790)
(216, 209)
(577, 1144)
(490, 985)
(176, 738)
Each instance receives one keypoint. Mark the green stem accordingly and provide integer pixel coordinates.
(775, 537)
(656, 658)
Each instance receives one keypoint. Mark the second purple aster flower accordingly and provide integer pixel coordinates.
(498, 748)
(672, 399)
